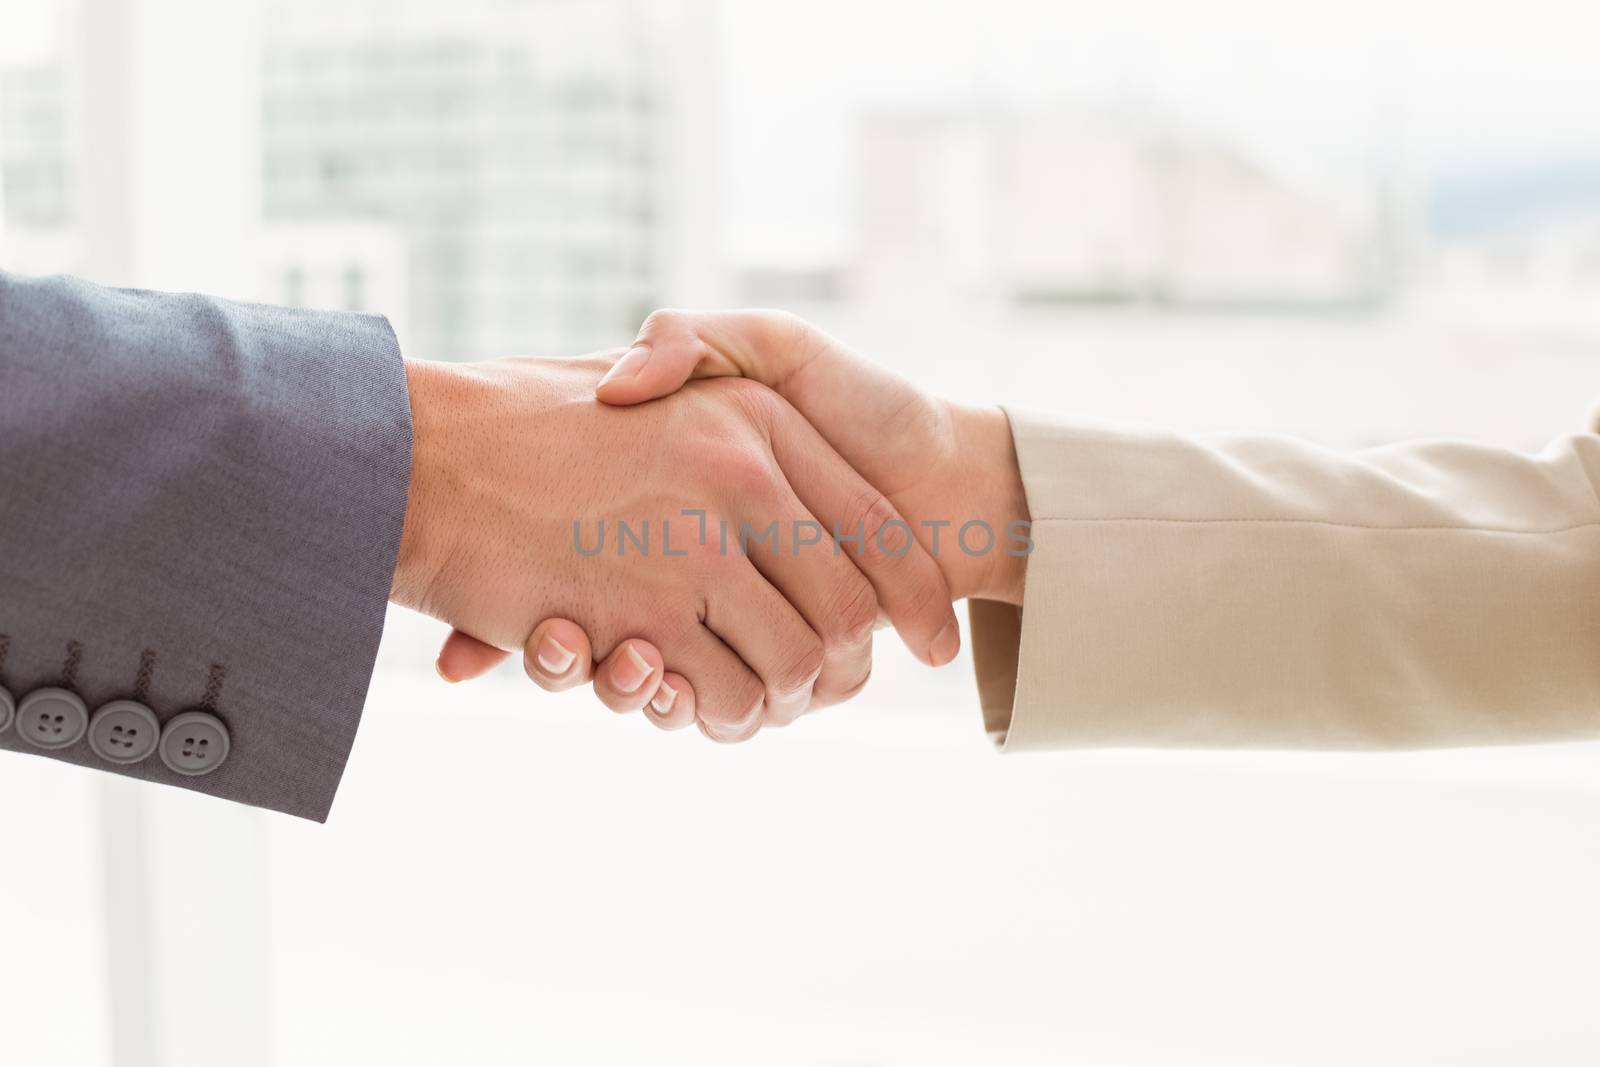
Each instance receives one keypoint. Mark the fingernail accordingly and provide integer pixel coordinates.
(631, 670)
(663, 699)
(438, 668)
(946, 645)
(554, 657)
(629, 365)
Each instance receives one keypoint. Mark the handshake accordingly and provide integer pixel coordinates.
(717, 551)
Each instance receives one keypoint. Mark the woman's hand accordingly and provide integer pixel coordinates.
(942, 465)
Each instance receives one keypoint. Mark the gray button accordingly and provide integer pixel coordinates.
(8, 708)
(194, 743)
(124, 731)
(52, 718)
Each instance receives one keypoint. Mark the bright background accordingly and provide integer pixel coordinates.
(1355, 222)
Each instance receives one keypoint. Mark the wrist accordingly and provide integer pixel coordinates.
(986, 461)
(422, 541)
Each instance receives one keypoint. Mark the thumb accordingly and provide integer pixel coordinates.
(674, 346)
(464, 656)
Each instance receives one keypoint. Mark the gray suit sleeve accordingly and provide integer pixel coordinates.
(200, 511)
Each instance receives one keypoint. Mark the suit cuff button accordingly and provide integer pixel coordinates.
(52, 718)
(194, 744)
(124, 732)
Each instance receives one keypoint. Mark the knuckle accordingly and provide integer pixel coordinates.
(800, 667)
(676, 332)
(785, 323)
(745, 469)
(854, 688)
(662, 321)
(728, 457)
(887, 537)
(838, 694)
(724, 425)
(776, 329)
(859, 684)
(777, 718)
(741, 705)
(854, 615)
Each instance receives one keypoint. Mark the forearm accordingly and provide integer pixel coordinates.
(1262, 592)
(202, 508)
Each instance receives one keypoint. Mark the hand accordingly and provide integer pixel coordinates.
(938, 462)
(510, 456)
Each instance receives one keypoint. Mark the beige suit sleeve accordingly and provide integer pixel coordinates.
(1262, 592)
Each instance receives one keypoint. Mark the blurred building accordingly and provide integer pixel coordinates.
(353, 266)
(1518, 247)
(498, 176)
(36, 172)
(530, 154)
(1052, 208)
(34, 150)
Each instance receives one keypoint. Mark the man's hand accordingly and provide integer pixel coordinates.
(515, 465)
